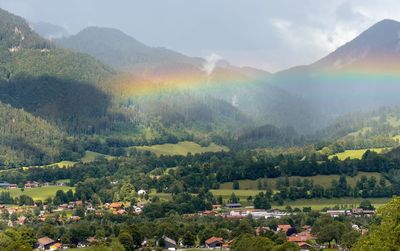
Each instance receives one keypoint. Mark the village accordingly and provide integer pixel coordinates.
(74, 211)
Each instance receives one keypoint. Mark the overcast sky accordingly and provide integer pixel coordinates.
(271, 35)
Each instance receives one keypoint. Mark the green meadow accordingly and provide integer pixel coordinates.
(242, 194)
(355, 154)
(87, 158)
(315, 204)
(319, 204)
(323, 180)
(92, 156)
(40, 193)
(182, 148)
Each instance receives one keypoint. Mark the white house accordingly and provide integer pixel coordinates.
(142, 192)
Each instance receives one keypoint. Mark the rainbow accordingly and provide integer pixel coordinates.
(129, 86)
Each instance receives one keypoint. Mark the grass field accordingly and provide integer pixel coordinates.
(356, 154)
(162, 196)
(323, 180)
(87, 158)
(242, 194)
(182, 148)
(318, 204)
(40, 193)
(92, 156)
(315, 204)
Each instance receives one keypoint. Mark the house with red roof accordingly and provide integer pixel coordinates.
(44, 243)
(283, 228)
(214, 242)
(301, 237)
(304, 246)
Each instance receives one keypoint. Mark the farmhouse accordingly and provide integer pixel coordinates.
(61, 183)
(31, 184)
(304, 246)
(208, 212)
(44, 243)
(214, 242)
(337, 213)
(12, 186)
(301, 237)
(234, 205)
(169, 243)
(141, 192)
(361, 212)
(7, 185)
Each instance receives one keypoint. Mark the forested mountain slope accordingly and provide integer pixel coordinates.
(26, 139)
(152, 73)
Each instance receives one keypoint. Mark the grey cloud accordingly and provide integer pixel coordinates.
(245, 32)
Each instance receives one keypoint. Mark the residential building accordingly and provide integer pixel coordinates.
(44, 243)
(214, 242)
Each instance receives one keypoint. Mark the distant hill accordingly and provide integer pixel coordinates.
(244, 90)
(360, 75)
(125, 53)
(49, 31)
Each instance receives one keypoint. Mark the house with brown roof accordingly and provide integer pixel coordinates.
(214, 242)
(208, 212)
(301, 237)
(304, 246)
(116, 205)
(31, 184)
(12, 186)
(44, 243)
(283, 228)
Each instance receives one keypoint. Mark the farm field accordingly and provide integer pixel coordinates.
(356, 154)
(87, 158)
(319, 204)
(397, 138)
(182, 148)
(315, 204)
(92, 156)
(242, 194)
(162, 196)
(40, 193)
(323, 180)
